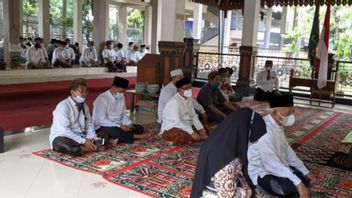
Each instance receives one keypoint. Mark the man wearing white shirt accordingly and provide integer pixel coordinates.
(72, 131)
(109, 115)
(267, 83)
(170, 90)
(180, 122)
(70, 51)
(61, 58)
(110, 58)
(89, 57)
(129, 48)
(142, 52)
(272, 163)
(133, 56)
(36, 56)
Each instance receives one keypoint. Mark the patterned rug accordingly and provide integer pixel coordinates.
(157, 169)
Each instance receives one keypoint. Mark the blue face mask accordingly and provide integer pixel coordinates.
(80, 99)
(216, 85)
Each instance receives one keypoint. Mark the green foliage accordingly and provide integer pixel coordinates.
(135, 19)
(292, 37)
(87, 24)
(30, 11)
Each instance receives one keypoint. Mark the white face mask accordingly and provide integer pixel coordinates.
(288, 121)
(80, 99)
(188, 93)
(119, 95)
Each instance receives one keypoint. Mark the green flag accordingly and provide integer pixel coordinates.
(314, 37)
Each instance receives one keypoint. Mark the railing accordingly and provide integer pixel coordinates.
(207, 62)
(345, 78)
(283, 66)
(261, 51)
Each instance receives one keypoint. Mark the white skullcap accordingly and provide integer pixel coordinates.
(176, 72)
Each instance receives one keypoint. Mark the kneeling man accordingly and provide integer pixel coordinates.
(272, 163)
(109, 115)
(72, 131)
(180, 123)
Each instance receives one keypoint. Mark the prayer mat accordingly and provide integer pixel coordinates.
(330, 182)
(320, 156)
(114, 158)
(157, 169)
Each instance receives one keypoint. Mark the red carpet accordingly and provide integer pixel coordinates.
(26, 105)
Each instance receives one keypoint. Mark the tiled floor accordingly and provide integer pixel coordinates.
(24, 175)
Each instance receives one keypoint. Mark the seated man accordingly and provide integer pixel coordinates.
(72, 131)
(212, 100)
(133, 56)
(110, 58)
(89, 57)
(267, 83)
(71, 51)
(180, 122)
(170, 90)
(37, 56)
(109, 115)
(226, 89)
(61, 57)
(272, 163)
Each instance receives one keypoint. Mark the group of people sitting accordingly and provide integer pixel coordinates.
(61, 53)
(244, 152)
(116, 58)
(74, 131)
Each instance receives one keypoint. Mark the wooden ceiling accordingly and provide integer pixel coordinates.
(239, 4)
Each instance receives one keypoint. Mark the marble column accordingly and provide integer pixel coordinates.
(172, 20)
(77, 21)
(100, 24)
(147, 25)
(44, 23)
(123, 25)
(269, 14)
(283, 24)
(197, 21)
(227, 32)
(12, 26)
(156, 25)
(248, 49)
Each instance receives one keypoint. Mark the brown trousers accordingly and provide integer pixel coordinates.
(177, 136)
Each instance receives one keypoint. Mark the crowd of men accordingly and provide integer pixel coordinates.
(63, 54)
(242, 138)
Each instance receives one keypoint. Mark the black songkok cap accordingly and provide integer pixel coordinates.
(281, 101)
(183, 81)
(120, 82)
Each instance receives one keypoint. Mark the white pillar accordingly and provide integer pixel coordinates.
(283, 24)
(44, 23)
(156, 25)
(123, 25)
(250, 23)
(269, 14)
(172, 20)
(227, 31)
(12, 26)
(147, 25)
(197, 21)
(100, 23)
(77, 21)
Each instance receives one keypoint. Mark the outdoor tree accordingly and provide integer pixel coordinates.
(30, 16)
(87, 24)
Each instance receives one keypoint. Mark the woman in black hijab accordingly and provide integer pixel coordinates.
(228, 142)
